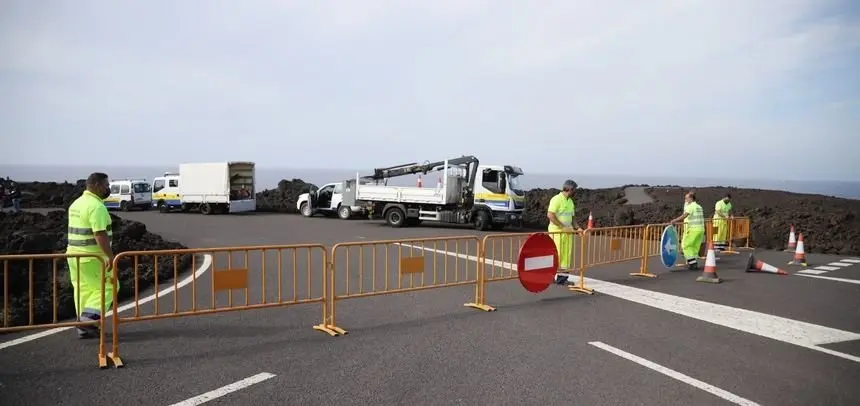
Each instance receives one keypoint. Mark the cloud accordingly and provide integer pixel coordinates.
(588, 86)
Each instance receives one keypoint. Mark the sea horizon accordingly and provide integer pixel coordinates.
(269, 176)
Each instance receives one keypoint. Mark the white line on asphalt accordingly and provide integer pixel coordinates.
(207, 262)
(731, 397)
(799, 333)
(812, 271)
(226, 390)
(830, 278)
(851, 260)
(827, 268)
(840, 264)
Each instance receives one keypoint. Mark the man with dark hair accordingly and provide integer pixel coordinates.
(694, 230)
(722, 213)
(15, 195)
(561, 226)
(90, 233)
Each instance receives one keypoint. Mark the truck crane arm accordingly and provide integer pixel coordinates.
(414, 167)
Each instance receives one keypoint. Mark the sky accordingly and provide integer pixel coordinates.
(729, 88)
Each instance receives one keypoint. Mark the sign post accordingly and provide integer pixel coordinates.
(537, 263)
(669, 246)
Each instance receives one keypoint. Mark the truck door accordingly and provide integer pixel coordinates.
(337, 196)
(324, 197)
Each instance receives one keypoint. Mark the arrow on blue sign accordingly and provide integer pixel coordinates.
(669, 243)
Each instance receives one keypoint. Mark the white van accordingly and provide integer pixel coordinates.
(126, 194)
(327, 200)
(165, 192)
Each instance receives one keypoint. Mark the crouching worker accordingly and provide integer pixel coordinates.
(560, 214)
(694, 230)
(90, 233)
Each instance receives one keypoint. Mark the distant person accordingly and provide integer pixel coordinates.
(560, 214)
(694, 230)
(90, 233)
(722, 214)
(15, 195)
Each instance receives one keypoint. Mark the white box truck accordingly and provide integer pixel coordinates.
(217, 187)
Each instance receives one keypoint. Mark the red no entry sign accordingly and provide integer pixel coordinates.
(537, 263)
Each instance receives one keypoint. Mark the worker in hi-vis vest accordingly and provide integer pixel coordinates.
(561, 226)
(90, 233)
(694, 230)
(722, 214)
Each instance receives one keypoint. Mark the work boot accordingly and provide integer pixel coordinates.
(561, 278)
(88, 331)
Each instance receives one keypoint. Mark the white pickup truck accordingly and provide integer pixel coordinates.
(327, 200)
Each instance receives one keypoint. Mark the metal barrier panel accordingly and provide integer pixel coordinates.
(739, 229)
(49, 301)
(610, 245)
(372, 268)
(501, 252)
(220, 280)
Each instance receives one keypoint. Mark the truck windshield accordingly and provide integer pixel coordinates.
(141, 187)
(514, 184)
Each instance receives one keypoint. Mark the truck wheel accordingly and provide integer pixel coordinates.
(395, 217)
(344, 212)
(123, 205)
(482, 221)
(306, 210)
(162, 206)
(206, 209)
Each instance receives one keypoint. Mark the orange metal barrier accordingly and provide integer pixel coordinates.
(501, 251)
(362, 269)
(238, 278)
(609, 245)
(739, 229)
(48, 272)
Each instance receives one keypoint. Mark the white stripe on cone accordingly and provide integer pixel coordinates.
(765, 267)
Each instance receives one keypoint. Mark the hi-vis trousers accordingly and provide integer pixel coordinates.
(564, 246)
(88, 289)
(721, 234)
(691, 242)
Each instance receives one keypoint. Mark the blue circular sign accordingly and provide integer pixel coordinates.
(669, 246)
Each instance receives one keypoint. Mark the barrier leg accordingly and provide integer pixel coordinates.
(113, 355)
(643, 263)
(580, 285)
(480, 302)
(328, 325)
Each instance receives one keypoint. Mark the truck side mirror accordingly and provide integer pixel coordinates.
(502, 184)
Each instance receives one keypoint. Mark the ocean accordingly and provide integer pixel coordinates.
(268, 177)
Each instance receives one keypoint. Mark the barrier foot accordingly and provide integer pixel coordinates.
(117, 361)
(730, 252)
(643, 274)
(581, 289)
(102, 361)
(484, 307)
(331, 330)
(798, 263)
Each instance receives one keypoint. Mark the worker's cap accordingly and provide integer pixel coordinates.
(568, 185)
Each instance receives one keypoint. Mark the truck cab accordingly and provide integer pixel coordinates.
(498, 188)
(165, 192)
(326, 200)
(126, 194)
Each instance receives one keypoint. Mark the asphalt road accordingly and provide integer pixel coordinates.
(765, 338)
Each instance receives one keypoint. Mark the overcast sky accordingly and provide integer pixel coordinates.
(736, 88)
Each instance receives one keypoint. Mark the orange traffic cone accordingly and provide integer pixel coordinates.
(799, 253)
(754, 265)
(420, 182)
(709, 275)
(590, 221)
(792, 242)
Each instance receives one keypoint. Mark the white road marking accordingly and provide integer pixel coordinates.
(827, 268)
(830, 278)
(812, 271)
(799, 333)
(840, 264)
(226, 390)
(731, 397)
(207, 263)
(851, 260)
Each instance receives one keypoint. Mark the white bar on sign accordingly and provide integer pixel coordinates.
(827, 268)
(842, 264)
(851, 260)
(538, 263)
(812, 271)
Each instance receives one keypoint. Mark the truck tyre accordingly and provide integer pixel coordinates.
(306, 210)
(162, 206)
(395, 217)
(123, 205)
(344, 212)
(206, 208)
(482, 221)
